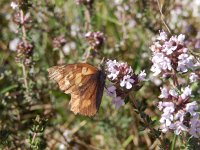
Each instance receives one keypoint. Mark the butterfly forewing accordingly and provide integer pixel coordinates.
(84, 82)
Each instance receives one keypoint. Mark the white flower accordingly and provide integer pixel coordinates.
(118, 2)
(113, 75)
(180, 115)
(185, 61)
(166, 118)
(66, 49)
(160, 62)
(160, 105)
(13, 44)
(173, 93)
(112, 63)
(169, 107)
(193, 77)
(118, 102)
(61, 147)
(169, 47)
(156, 69)
(179, 128)
(186, 92)
(164, 93)
(164, 128)
(192, 107)
(112, 66)
(88, 34)
(14, 5)
(162, 36)
(155, 47)
(127, 82)
(181, 38)
(142, 75)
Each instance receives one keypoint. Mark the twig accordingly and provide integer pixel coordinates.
(34, 137)
(88, 19)
(87, 146)
(162, 17)
(25, 77)
(25, 42)
(23, 27)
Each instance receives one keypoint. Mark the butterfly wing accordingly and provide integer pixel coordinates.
(91, 94)
(84, 82)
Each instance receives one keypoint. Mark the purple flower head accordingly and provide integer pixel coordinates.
(178, 114)
(118, 102)
(121, 74)
(171, 54)
(95, 39)
(123, 80)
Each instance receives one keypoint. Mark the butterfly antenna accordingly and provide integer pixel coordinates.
(102, 62)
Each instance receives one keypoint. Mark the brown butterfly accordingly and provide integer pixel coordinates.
(84, 82)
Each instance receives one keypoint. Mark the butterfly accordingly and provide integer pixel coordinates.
(84, 82)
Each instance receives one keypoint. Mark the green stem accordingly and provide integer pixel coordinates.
(174, 142)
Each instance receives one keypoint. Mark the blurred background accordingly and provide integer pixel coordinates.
(34, 113)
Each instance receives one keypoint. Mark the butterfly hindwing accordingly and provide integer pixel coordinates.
(88, 96)
(84, 82)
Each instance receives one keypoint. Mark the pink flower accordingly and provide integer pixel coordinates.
(123, 79)
(195, 127)
(118, 102)
(167, 53)
(111, 91)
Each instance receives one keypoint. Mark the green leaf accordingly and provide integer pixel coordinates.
(9, 88)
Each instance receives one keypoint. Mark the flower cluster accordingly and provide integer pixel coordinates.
(95, 39)
(25, 53)
(123, 80)
(24, 20)
(171, 55)
(171, 58)
(59, 41)
(178, 113)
